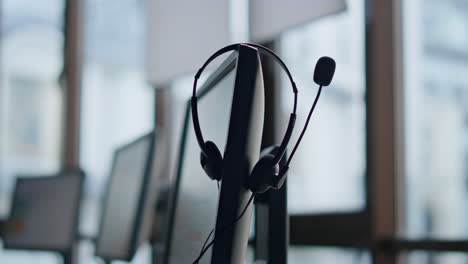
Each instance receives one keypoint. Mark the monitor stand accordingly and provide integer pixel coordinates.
(2, 225)
(71, 256)
(272, 226)
(105, 261)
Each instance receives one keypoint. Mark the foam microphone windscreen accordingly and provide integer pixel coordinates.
(324, 71)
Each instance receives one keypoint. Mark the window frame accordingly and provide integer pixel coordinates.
(336, 229)
(379, 226)
(380, 218)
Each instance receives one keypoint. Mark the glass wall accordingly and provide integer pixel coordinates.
(117, 103)
(327, 173)
(436, 120)
(422, 257)
(30, 98)
(309, 254)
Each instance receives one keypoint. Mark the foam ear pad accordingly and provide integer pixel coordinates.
(211, 161)
(262, 174)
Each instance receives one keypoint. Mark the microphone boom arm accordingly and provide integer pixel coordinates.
(304, 129)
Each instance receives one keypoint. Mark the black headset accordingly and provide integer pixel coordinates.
(266, 172)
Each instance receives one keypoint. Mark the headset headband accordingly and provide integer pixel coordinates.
(262, 50)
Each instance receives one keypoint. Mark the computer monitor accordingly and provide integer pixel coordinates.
(231, 110)
(128, 205)
(44, 213)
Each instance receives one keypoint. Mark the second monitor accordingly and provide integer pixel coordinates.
(128, 206)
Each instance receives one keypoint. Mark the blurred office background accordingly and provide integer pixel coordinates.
(413, 144)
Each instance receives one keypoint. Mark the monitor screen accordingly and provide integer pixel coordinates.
(196, 196)
(127, 199)
(44, 212)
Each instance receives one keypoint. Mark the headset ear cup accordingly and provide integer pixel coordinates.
(260, 177)
(211, 161)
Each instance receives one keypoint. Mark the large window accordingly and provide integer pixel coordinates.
(436, 134)
(333, 205)
(30, 96)
(30, 99)
(306, 254)
(327, 174)
(117, 104)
